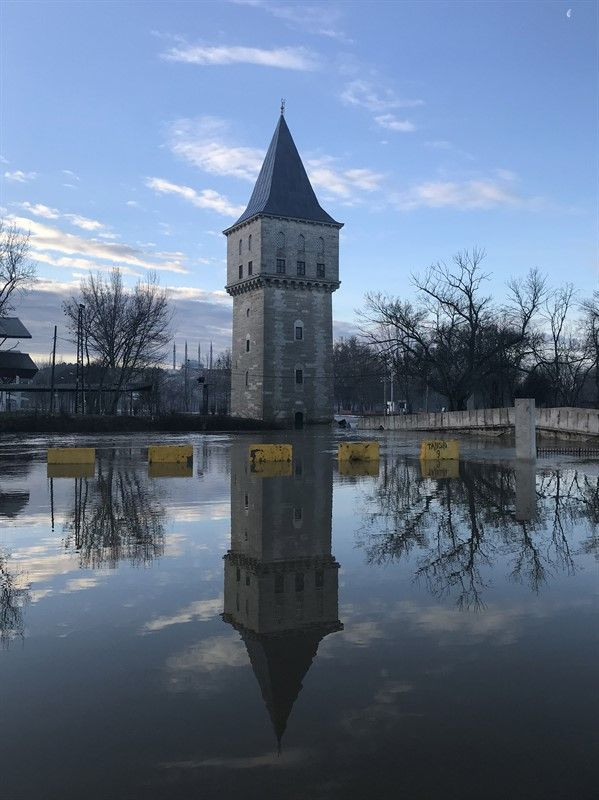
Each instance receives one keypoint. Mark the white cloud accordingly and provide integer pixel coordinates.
(207, 198)
(132, 204)
(322, 19)
(71, 174)
(472, 194)
(201, 610)
(204, 143)
(84, 223)
(40, 210)
(342, 183)
(366, 95)
(391, 123)
(19, 176)
(45, 238)
(295, 58)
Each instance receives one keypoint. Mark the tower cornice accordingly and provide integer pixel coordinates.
(281, 282)
(238, 225)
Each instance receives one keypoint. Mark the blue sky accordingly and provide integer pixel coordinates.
(131, 134)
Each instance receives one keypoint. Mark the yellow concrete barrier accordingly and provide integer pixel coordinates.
(359, 469)
(164, 469)
(439, 449)
(170, 454)
(71, 470)
(437, 468)
(271, 469)
(71, 455)
(270, 452)
(358, 451)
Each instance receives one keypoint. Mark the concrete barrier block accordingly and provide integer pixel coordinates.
(71, 470)
(170, 469)
(439, 449)
(358, 451)
(71, 455)
(271, 469)
(270, 452)
(359, 469)
(170, 454)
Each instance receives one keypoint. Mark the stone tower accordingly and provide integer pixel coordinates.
(282, 268)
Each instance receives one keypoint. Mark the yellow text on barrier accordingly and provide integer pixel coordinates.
(170, 454)
(439, 449)
(358, 451)
(440, 469)
(270, 452)
(71, 455)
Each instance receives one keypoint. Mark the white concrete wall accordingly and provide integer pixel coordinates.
(576, 421)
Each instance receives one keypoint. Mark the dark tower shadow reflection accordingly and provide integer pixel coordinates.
(281, 580)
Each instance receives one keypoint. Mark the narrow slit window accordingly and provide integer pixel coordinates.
(320, 270)
(240, 271)
(299, 376)
(299, 332)
(247, 345)
(247, 378)
(240, 245)
(250, 242)
(250, 267)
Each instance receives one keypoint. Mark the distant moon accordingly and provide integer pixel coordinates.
(569, 13)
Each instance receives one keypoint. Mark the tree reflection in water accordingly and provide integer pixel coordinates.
(457, 529)
(116, 516)
(13, 597)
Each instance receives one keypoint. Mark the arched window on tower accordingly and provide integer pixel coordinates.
(301, 243)
(298, 332)
(320, 244)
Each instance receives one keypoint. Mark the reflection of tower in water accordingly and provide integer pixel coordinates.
(281, 581)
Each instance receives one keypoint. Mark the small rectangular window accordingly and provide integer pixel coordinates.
(320, 270)
(299, 376)
(280, 266)
(299, 332)
(250, 267)
(279, 583)
(240, 271)
(247, 345)
(301, 267)
(247, 579)
(238, 575)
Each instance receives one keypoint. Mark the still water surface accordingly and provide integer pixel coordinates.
(220, 634)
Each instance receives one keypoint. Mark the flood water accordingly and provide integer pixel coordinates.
(302, 633)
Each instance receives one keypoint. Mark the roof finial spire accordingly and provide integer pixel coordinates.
(282, 106)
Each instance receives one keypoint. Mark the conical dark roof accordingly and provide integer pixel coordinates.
(280, 663)
(283, 188)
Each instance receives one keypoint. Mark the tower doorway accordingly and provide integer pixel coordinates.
(299, 419)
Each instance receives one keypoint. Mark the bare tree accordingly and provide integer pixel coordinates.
(454, 337)
(563, 354)
(17, 271)
(124, 331)
(590, 323)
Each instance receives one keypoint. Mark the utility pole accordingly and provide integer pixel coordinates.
(174, 356)
(186, 393)
(52, 373)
